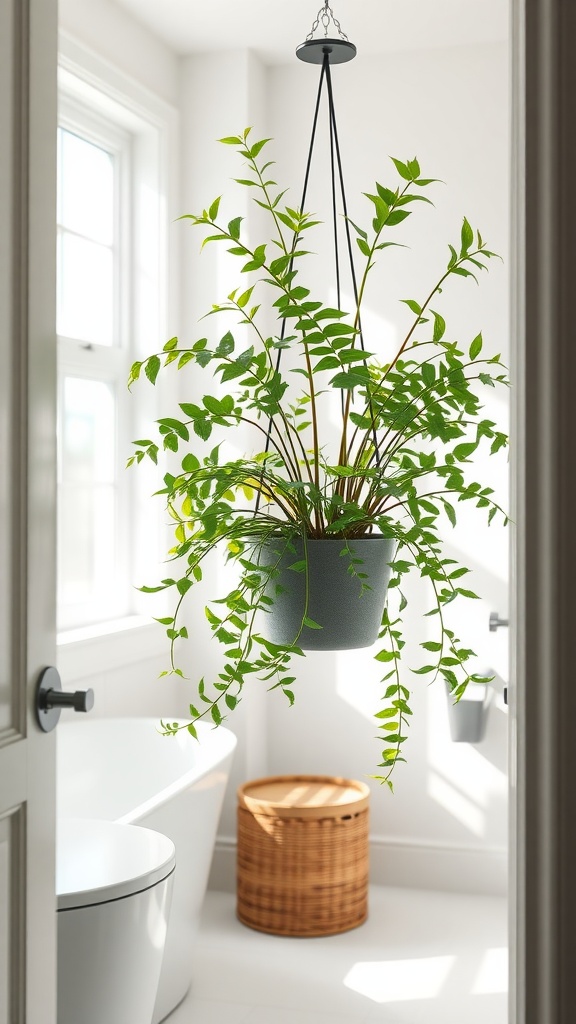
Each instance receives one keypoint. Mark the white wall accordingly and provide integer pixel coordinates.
(127, 44)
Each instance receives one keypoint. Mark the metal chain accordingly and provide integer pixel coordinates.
(325, 15)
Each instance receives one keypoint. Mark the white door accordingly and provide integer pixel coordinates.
(28, 43)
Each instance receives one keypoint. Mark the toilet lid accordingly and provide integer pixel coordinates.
(100, 861)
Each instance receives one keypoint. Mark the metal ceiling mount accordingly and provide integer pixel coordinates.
(314, 51)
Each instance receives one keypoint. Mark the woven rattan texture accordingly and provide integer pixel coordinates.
(302, 877)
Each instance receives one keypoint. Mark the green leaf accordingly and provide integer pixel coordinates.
(327, 363)
(202, 427)
(396, 217)
(226, 345)
(467, 237)
(216, 714)
(311, 624)
(350, 379)
(190, 463)
(234, 227)
(258, 260)
(134, 372)
(385, 656)
(231, 140)
(186, 357)
(464, 451)
(439, 326)
(335, 330)
(364, 422)
(386, 194)
(359, 231)
(476, 347)
(462, 571)
(449, 512)
(255, 149)
(244, 298)
(152, 368)
(175, 425)
(402, 169)
(213, 211)
(412, 305)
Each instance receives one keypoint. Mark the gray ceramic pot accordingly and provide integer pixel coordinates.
(348, 618)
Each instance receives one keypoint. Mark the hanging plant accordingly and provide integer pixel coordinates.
(409, 428)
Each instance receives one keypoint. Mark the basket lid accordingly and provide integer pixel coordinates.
(304, 796)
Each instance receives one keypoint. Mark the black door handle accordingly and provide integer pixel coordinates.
(50, 699)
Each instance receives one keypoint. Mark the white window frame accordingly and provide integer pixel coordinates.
(86, 81)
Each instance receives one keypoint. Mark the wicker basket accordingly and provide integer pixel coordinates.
(303, 854)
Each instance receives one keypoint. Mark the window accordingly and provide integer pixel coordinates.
(114, 158)
(93, 324)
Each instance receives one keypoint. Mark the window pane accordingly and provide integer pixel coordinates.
(86, 188)
(86, 292)
(88, 429)
(87, 515)
(86, 553)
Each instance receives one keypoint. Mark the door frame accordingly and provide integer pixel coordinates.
(543, 748)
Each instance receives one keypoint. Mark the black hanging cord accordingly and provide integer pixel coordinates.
(334, 135)
(334, 210)
(291, 264)
(334, 150)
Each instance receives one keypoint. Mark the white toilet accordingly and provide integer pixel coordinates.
(113, 885)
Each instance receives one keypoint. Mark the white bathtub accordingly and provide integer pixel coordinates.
(122, 770)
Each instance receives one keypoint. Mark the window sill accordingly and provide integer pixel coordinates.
(107, 646)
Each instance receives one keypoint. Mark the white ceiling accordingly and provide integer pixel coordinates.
(273, 28)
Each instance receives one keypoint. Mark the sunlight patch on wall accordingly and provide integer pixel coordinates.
(457, 804)
(476, 779)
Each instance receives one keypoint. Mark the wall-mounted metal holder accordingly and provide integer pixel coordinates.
(467, 718)
(494, 622)
(50, 699)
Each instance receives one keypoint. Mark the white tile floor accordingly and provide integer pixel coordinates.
(421, 958)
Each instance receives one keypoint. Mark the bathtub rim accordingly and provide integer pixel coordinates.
(227, 745)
